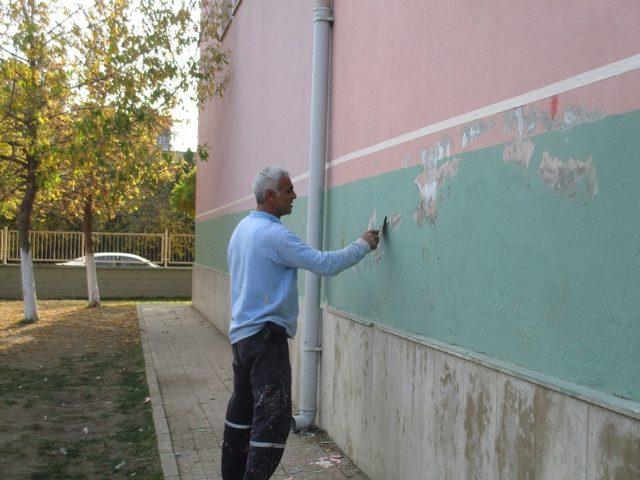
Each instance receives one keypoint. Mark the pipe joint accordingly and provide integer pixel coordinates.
(304, 420)
(323, 14)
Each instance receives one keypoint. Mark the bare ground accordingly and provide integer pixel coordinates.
(72, 394)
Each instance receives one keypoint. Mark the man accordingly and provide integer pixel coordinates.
(264, 257)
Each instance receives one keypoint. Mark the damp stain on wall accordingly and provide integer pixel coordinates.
(571, 177)
(620, 454)
(476, 421)
(515, 447)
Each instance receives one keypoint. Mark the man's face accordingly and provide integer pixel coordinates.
(283, 201)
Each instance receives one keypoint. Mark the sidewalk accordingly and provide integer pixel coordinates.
(189, 373)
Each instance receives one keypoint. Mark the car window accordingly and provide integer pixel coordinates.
(129, 261)
(106, 260)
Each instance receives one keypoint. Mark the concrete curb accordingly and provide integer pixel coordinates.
(165, 445)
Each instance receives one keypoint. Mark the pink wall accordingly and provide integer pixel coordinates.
(263, 118)
(398, 67)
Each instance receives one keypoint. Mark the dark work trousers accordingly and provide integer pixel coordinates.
(259, 412)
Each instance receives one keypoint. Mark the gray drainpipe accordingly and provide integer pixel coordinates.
(322, 20)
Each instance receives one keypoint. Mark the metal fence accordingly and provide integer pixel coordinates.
(48, 246)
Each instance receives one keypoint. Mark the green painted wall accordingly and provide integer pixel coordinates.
(512, 267)
(212, 236)
(548, 279)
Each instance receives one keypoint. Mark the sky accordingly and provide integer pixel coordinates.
(185, 127)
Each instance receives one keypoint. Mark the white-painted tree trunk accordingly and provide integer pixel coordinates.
(92, 280)
(28, 286)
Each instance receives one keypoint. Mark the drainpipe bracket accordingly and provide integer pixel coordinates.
(311, 349)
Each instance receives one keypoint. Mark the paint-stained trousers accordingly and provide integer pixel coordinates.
(259, 412)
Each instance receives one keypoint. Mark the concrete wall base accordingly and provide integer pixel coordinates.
(55, 282)
(405, 410)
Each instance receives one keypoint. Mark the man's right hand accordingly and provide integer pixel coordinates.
(372, 238)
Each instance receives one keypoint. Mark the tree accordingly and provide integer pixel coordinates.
(183, 194)
(153, 212)
(85, 117)
(132, 79)
(111, 169)
(33, 104)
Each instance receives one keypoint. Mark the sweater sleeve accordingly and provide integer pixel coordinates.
(291, 251)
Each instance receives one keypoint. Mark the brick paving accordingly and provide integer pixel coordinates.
(189, 372)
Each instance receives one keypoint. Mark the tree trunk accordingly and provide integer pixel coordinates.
(26, 261)
(89, 260)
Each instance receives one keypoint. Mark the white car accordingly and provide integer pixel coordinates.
(113, 259)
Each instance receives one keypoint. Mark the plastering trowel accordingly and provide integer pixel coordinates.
(383, 227)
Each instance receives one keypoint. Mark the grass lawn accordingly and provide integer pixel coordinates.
(72, 394)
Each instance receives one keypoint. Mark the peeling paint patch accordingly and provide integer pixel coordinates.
(373, 220)
(518, 152)
(428, 182)
(434, 154)
(567, 177)
(571, 116)
(474, 130)
(394, 221)
(520, 120)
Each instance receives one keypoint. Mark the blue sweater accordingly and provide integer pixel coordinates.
(264, 257)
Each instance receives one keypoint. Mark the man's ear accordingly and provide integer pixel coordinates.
(268, 195)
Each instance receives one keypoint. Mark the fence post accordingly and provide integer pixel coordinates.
(165, 252)
(5, 245)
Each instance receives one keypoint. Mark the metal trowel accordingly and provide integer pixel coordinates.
(383, 227)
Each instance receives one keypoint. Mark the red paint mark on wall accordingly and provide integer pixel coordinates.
(554, 106)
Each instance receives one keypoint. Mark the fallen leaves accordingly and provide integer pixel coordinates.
(328, 461)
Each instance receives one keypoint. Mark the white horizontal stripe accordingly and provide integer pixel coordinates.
(230, 204)
(237, 425)
(266, 445)
(592, 76)
(248, 197)
(302, 176)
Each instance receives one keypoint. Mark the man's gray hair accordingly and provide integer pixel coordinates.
(268, 179)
